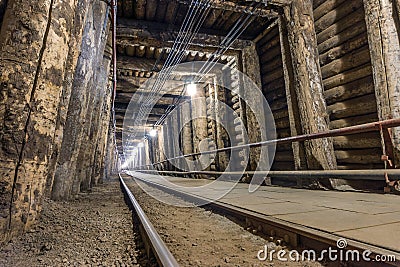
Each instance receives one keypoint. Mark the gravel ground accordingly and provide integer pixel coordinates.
(95, 229)
(199, 237)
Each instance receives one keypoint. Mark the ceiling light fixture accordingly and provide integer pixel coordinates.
(191, 89)
(153, 133)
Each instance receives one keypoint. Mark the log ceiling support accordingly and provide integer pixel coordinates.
(383, 37)
(308, 86)
(238, 6)
(163, 35)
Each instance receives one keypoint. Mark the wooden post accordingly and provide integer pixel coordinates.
(187, 142)
(383, 37)
(32, 67)
(199, 124)
(300, 161)
(66, 182)
(221, 134)
(251, 67)
(174, 123)
(308, 85)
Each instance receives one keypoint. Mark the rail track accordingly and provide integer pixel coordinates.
(294, 235)
(153, 243)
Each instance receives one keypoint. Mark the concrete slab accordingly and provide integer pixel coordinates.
(377, 235)
(332, 220)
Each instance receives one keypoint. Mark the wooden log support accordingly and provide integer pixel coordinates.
(256, 129)
(161, 146)
(199, 126)
(298, 149)
(186, 134)
(383, 36)
(79, 104)
(308, 85)
(90, 178)
(72, 61)
(174, 135)
(101, 151)
(222, 138)
(154, 34)
(32, 67)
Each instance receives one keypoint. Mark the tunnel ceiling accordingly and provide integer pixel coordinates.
(146, 30)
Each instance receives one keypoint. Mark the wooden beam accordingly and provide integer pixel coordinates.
(162, 98)
(161, 34)
(242, 6)
(308, 85)
(150, 121)
(383, 37)
(137, 64)
(168, 95)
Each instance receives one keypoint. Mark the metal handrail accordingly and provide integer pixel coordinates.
(362, 128)
(372, 174)
(162, 253)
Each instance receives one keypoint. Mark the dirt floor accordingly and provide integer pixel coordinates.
(95, 229)
(199, 237)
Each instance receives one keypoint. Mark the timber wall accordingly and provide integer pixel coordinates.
(347, 76)
(273, 88)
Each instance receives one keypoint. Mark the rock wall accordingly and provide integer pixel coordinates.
(54, 95)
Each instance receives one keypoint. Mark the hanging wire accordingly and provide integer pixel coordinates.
(240, 26)
(195, 17)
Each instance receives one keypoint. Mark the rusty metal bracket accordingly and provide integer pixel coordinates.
(387, 156)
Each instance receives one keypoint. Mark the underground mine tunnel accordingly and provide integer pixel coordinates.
(199, 132)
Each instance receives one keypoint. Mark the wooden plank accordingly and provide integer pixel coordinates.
(353, 107)
(361, 156)
(351, 121)
(339, 51)
(348, 76)
(336, 14)
(326, 7)
(365, 140)
(347, 62)
(354, 89)
(139, 9)
(342, 37)
(341, 25)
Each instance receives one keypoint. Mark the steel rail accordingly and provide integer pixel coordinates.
(308, 237)
(160, 250)
(362, 128)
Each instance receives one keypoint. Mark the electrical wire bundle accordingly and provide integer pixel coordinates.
(240, 26)
(194, 19)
